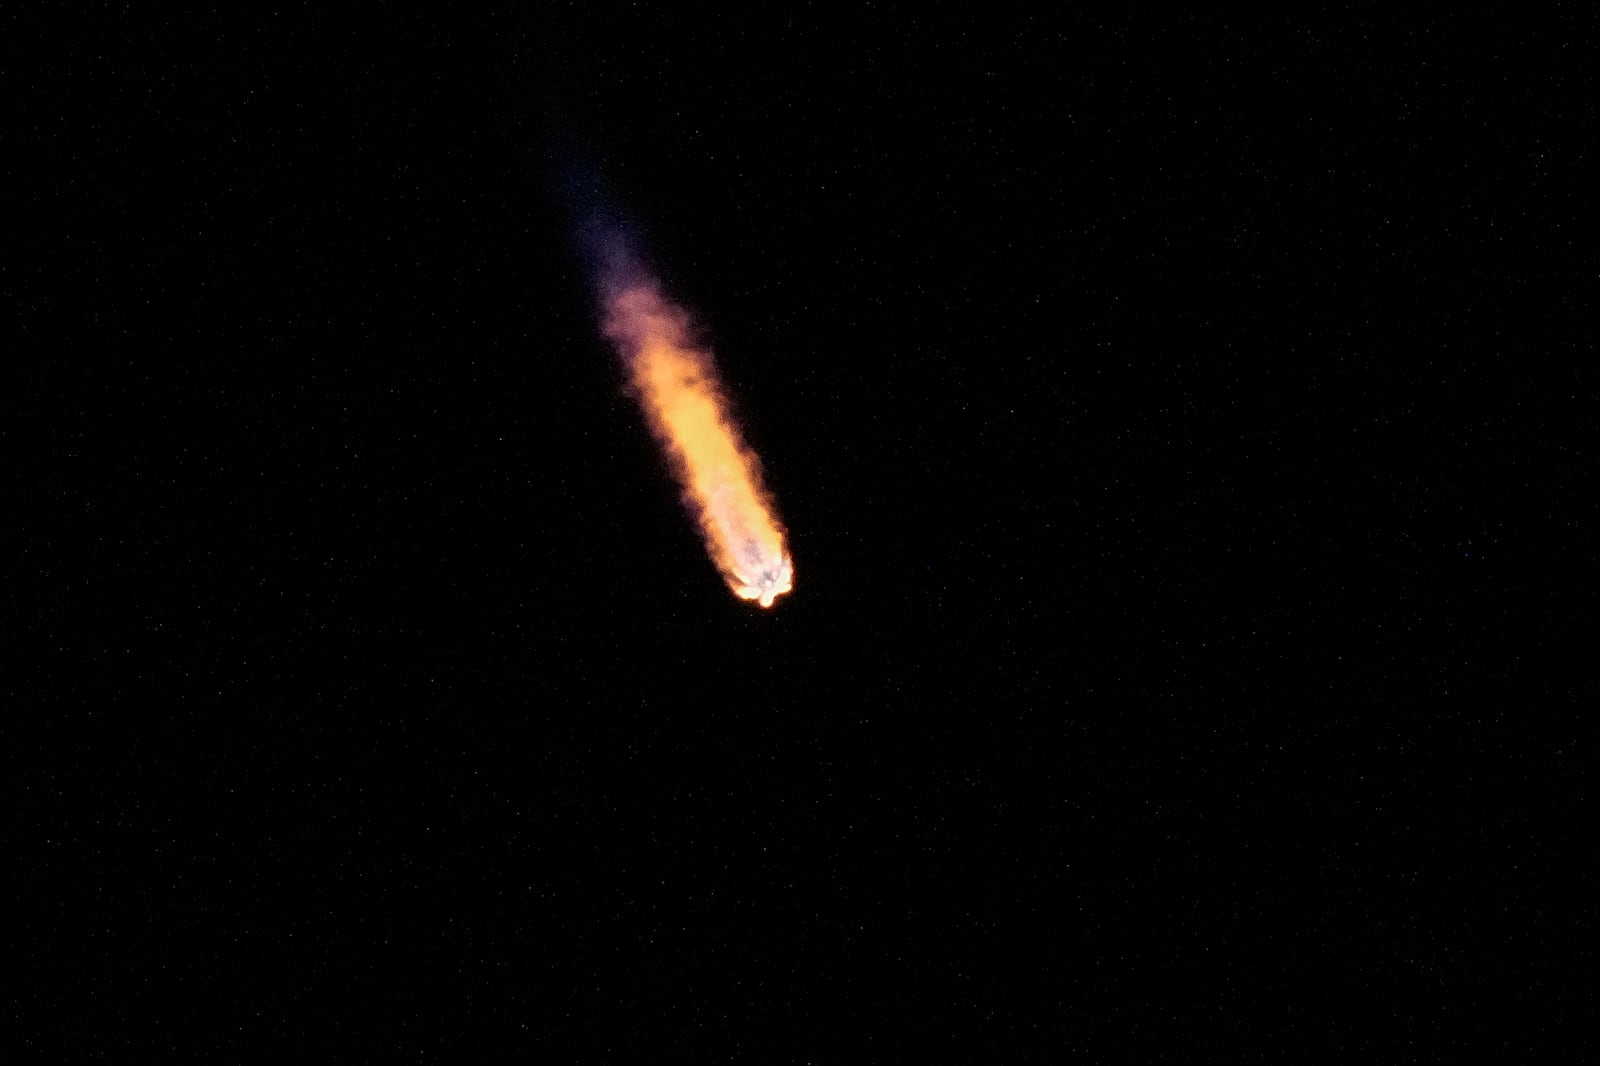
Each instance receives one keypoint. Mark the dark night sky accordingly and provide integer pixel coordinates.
(1185, 434)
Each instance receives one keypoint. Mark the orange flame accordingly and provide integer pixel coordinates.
(721, 477)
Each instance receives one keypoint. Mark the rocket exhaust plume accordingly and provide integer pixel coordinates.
(676, 384)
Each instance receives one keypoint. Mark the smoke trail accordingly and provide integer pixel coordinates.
(676, 384)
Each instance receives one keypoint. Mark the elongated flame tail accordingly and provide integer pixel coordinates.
(677, 386)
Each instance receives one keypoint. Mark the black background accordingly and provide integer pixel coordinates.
(1181, 426)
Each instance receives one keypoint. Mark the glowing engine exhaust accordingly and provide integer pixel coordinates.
(676, 384)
